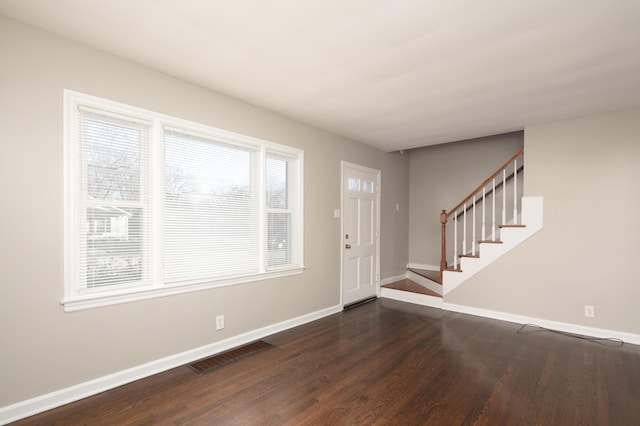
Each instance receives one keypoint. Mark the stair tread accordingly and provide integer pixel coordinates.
(412, 287)
(428, 274)
(512, 226)
(490, 242)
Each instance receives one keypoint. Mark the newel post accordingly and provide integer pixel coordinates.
(443, 257)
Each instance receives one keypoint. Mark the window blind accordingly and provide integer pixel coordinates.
(211, 209)
(114, 211)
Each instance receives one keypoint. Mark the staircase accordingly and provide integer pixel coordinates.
(487, 224)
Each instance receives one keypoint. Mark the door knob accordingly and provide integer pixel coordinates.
(347, 246)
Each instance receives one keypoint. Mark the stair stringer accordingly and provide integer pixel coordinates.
(425, 282)
(532, 218)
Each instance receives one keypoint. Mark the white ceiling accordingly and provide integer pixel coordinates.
(394, 74)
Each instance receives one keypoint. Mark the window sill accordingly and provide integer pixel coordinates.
(80, 303)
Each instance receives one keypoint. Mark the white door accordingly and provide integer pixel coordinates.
(360, 232)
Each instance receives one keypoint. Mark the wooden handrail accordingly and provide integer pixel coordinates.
(498, 186)
(483, 184)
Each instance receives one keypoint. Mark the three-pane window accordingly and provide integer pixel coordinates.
(155, 203)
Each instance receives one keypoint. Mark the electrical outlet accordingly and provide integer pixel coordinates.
(589, 311)
(219, 322)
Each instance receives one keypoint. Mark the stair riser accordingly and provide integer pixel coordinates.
(418, 299)
(425, 282)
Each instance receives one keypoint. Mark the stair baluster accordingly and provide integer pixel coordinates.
(515, 192)
(504, 196)
(464, 229)
(455, 242)
(473, 233)
(493, 211)
(484, 212)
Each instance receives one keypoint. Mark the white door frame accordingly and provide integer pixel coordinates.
(378, 173)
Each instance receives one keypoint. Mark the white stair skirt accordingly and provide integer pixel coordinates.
(425, 282)
(531, 217)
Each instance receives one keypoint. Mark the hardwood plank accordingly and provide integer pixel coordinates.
(387, 362)
(428, 274)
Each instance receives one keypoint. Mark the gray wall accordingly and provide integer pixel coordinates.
(441, 176)
(45, 349)
(587, 170)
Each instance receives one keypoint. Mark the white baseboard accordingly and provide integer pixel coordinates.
(424, 300)
(393, 279)
(20, 410)
(631, 338)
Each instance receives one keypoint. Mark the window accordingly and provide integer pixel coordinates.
(281, 201)
(354, 184)
(156, 205)
(368, 186)
(211, 209)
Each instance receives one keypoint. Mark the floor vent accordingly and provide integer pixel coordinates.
(215, 361)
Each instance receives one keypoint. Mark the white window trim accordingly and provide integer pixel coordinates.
(73, 300)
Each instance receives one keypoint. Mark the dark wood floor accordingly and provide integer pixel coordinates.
(388, 362)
